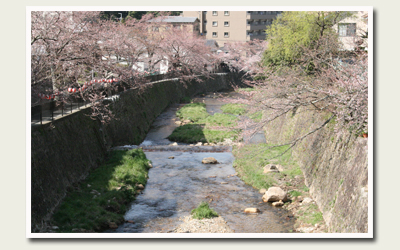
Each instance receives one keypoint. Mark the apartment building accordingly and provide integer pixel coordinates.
(232, 26)
(191, 24)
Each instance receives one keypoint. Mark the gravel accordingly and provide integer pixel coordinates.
(213, 225)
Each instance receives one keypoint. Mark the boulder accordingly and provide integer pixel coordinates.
(275, 194)
(171, 157)
(251, 210)
(209, 160)
(273, 168)
(262, 191)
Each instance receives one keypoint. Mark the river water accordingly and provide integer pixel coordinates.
(178, 182)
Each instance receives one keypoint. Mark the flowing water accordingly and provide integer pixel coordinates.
(178, 182)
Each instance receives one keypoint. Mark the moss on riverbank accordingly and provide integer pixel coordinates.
(101, 200)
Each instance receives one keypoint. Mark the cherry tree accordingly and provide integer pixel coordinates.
(325, 78)
(81, 53)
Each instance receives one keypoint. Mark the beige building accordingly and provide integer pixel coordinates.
(352, 29)
(232, 26)
(191, 24)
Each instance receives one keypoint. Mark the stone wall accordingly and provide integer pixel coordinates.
(335, 168)
(64, 151)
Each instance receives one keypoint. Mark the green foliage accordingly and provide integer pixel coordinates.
(234, 108)
(293, 31)
(203, 211)
(103, 197)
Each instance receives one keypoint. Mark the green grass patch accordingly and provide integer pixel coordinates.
(245, 89)
(292, 172)
(192, 133)
(203, 211)
(256, 117)
(218, 119)
(199, 130)
(295, 193)
(251, 159)
(193, 112)
(305, 188)
(234, 108)
(311, 215)
(185, 99)
(103, 197)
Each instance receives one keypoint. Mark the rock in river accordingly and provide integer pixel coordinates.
(251, 210)
(275, 194)
(209, 160)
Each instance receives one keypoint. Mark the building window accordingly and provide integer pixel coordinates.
(214, 34)
(226, 24)
(226, 34)
(215, 13)
(215, 24)
(347, 29)
(226, 13)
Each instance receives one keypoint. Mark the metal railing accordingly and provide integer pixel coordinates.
(48, 111)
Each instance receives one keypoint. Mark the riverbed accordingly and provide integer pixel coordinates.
(179, 181)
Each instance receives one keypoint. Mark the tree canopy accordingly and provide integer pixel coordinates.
(294, 31)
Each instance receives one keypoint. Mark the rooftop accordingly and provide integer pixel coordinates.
(174, 19)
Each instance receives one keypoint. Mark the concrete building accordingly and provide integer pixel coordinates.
(233, 26)
(352, 30)
(191, 24)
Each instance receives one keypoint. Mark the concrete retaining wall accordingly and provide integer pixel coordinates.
(64, 151)
(335, 168)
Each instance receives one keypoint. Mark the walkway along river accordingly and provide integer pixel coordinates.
(178, 182)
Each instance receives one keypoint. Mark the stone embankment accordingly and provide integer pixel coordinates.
(335, 168)
(64, 151)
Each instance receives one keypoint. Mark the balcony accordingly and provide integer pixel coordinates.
(255, 36)
(256, 15)
(256, 26)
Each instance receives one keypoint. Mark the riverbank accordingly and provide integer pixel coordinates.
(100, 201)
